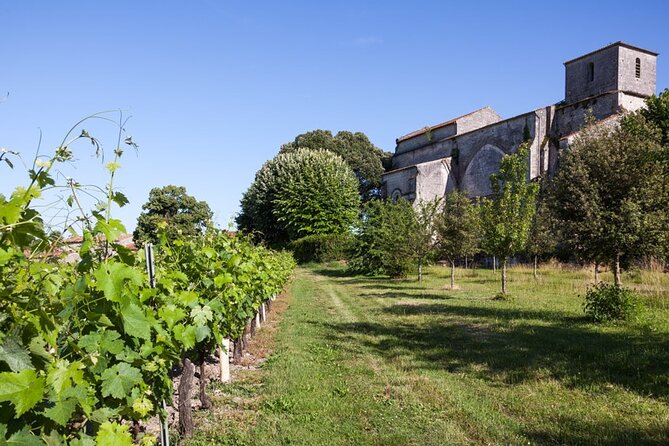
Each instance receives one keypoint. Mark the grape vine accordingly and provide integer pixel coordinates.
(86, 348)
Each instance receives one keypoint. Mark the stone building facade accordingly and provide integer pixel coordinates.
(463, 152)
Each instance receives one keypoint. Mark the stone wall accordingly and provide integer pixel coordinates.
(570, 118)
(400, 183)
(578, 85)
(643, 85)
(434, 179)
(480, 152)
(430, 135)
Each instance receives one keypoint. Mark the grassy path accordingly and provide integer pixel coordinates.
(367, 361)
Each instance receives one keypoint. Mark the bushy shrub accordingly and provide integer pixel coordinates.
(322, 247)
(605, 302)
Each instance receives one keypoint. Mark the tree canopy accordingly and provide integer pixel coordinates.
(611, 194)
(300, 193)
(181, 214)
(366, 160)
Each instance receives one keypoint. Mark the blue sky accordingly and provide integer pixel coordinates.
(215, 87)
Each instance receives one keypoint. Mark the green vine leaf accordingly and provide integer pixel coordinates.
(171, 314)
(22, 438)
(110, 279)
(23, 389)
(135, 322)
(119, 380)
(113, 434)
(61, 411)
(62, 375)
(15, 355)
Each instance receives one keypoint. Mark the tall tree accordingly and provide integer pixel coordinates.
(506, 216)
(366, 160)
(182, 215)
(611, 195)
(300, 193)
(458, 227)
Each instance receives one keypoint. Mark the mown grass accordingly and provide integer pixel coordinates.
(372, 361)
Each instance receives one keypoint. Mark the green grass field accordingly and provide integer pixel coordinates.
(372, 361)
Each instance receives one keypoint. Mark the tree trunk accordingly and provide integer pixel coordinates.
(466, 263)
(420, 270)
(204, 398)
(452, 274)
(135, 429)
(535, 267)
(185, 394)
(494, 264)
(238, 350)
(250, 329)
(616, 272)
(504, 276)
(596, 272)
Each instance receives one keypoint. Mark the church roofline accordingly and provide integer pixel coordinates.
(618, 43)
(437, 126)
(412, 166)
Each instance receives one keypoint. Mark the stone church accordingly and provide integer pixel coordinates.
(462, 153)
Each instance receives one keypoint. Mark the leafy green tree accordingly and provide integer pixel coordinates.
(257, 205)
(506, 216)
(611, 195)
(423, 240)
(300, 193)
(367, 161)
(656, 113)
(182, 215)
(383, 239)
(458, 227)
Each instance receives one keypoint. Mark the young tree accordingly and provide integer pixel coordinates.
(542, 238)
(300, 193)
(507, 215)
(423, 240)
(183, 215)
(458, 227)
(611, 195)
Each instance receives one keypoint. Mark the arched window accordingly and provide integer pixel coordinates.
(638, 68)
(591, 72)
(396, 195)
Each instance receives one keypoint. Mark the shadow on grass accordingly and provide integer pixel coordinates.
(401, 295)
(487, 314)
(332, 272)
(397, 284)
(477, 341)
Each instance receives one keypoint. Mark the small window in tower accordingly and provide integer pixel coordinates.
(638, 68)
(591, 72)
